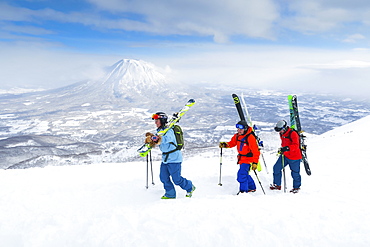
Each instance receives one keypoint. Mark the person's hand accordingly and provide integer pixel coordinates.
(254, 166)
(148, 137)
(283, 149)
(156, 138)
(223, 145)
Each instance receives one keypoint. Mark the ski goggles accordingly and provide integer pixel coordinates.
(157, 116)
(240, 126)
(277, 129)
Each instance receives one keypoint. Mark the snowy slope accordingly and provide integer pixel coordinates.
(108, 205)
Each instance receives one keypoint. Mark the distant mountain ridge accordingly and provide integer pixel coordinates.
(127, 81)
(105, 120)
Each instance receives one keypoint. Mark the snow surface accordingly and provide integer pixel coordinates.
(108, 204)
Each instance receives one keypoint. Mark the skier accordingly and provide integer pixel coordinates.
(248, 155)
(171, 159)
(291, 153)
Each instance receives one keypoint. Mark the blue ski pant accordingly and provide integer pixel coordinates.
(173, 170)
(294, 167)
(245, 180)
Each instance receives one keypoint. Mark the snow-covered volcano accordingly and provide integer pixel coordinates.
(133, 76)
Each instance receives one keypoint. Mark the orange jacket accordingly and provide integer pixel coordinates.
(247, 147)
(290, 138)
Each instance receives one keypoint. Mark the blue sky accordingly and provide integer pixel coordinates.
(317, 45)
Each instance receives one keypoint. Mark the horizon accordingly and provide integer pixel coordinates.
(316, 46)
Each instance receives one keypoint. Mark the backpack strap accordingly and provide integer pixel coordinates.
(289, 136)
(245, 140)
(169, 152)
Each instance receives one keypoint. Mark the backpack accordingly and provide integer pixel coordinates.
(245, 140)
(301, 145)
(179, 135)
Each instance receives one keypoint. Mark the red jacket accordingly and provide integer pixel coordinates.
(290, 138)
(247, 147)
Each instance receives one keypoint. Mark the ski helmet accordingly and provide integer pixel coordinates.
(281, 125)
(161, 116)
(242, 124)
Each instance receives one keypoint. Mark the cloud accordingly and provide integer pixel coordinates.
(345, 72)
(25, 29)
(354, 38)
(318, 16)
(219, 18)
(29, 65)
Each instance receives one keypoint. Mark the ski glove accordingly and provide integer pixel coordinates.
(254, 166)
(148, 137)
(224, 145)
(152, 139)
(283, 149)
(155, 138)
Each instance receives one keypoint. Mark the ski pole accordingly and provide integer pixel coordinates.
(151, 166)
(264, 162)
(219, 183)
(259, 181)
(282, 161)
(147, 171)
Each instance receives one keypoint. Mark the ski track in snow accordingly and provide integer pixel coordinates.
(108, 204)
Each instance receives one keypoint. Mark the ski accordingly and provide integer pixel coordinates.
(238, 106)
(146, 148)
(255, 128)
(295, 123)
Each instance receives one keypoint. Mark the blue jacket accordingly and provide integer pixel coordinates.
(166, 146)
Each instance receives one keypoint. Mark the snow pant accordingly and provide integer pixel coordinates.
(173, 170)
(294, 167)
(245, 180)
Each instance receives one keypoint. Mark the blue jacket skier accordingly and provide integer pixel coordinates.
(171, 160)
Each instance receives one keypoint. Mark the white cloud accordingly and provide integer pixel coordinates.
(354, 38)
(30, 65)
(310, 16)
(219, 18)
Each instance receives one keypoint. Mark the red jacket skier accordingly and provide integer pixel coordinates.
(290, 154)
(290, 139)
(248, 155)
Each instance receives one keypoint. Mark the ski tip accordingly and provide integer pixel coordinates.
(143, 154)
(235, 98)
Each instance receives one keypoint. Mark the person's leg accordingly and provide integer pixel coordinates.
(164, 176)
(175, 172)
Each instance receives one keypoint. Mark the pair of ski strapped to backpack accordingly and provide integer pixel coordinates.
(295, 125)
(172, 124)
(248, 119)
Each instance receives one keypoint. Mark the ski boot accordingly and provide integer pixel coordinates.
(275, 187)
